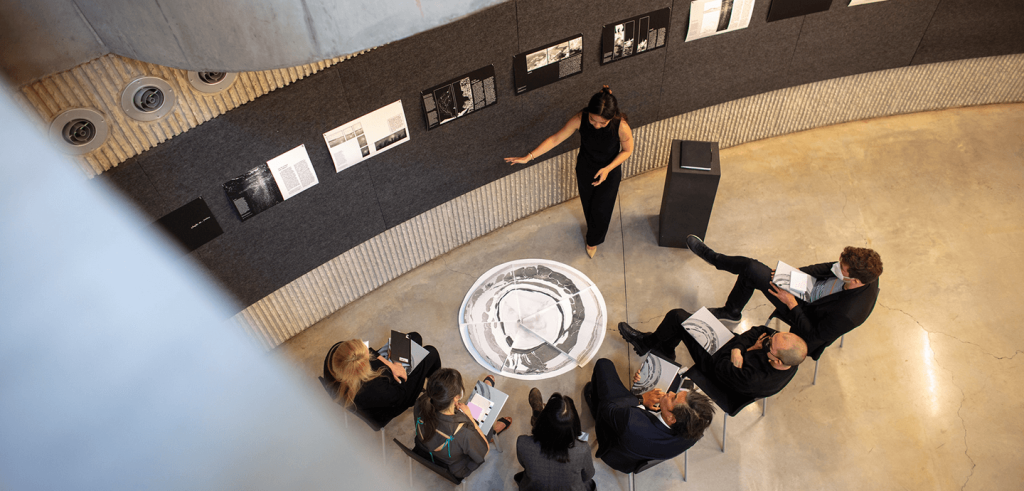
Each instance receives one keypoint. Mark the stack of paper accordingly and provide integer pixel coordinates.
(479, 406)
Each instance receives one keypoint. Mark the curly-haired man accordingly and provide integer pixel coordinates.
(843, 296)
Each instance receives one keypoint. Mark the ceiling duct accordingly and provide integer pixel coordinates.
(211, 82)
(78, 131)
(147, 99)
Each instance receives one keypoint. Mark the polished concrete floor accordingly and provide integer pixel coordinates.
(927, 394)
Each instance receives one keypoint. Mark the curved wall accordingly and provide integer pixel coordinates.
(42, 37)
(301, 260)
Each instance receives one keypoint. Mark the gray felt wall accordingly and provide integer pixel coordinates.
(254, 258)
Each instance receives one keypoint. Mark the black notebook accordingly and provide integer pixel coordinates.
(695, 155)
(401, 349)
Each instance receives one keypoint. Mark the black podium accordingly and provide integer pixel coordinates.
(689, 193)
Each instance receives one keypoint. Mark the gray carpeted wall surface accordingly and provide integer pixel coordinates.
(254, 258)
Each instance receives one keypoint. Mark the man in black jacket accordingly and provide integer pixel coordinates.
(632, 430)
(755, 364)
(842, 299)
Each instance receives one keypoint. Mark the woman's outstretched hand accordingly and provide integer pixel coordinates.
(517, 160)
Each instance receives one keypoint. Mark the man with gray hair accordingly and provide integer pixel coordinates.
(755, 364)
(633, 430)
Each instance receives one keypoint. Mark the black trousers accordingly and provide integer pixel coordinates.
(670, 332)
(752, 275)
(598, 201)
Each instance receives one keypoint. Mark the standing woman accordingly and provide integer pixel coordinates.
(606, 141)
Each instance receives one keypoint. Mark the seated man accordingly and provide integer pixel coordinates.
(632, 430)
(755, 364)
(842, 299)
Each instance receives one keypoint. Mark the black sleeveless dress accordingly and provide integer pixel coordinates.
(598, 148)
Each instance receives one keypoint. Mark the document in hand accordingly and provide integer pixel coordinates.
(707, 330)
(656, 373)
(793, 281)
(418, 354)
(479, 406)
(497, 399)
(401, 347)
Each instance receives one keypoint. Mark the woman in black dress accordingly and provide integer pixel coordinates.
(605, 142)
(379, 388)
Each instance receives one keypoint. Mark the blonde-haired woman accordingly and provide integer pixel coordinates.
(377, 387)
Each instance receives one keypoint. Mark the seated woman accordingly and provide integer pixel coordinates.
(553, 457)
(444, 427)
(379, 388)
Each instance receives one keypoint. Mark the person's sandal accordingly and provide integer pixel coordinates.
(508, 423)
(491, 378)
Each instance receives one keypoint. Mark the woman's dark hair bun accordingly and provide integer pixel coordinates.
(604, 104)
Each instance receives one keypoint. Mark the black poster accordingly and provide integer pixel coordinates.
(253, 192)
(548, 64)
(192, 225)
(458, 97)
(785, 9)
(635, 35)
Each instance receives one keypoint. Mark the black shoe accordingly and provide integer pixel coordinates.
(537, 404)
(588, 395)
(722, 314)
(634, 337)
(701, 249)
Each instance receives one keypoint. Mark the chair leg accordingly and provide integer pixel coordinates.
(383, 446)
(631, 481)
(814, 381)
(346, 419)
(686, 465)
(410, 472)
(725, 421)
(842, 340)
(764, 406)
(496, 445)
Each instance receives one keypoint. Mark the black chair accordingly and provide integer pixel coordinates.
(423, 458)
(729, 404)
(778, 315)
(331, 392)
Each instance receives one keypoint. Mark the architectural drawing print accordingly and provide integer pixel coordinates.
(533, 319)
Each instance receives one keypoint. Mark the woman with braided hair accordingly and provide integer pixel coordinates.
(444, 427)
(379, 388)
(606, 141)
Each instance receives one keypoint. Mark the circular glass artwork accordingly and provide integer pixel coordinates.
(532, 319)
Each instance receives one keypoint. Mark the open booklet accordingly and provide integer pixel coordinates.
(707, 330)
(657, 373)
(485, 402)
(418, 354)
(794, 281)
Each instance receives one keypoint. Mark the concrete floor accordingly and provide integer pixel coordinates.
(922, 396)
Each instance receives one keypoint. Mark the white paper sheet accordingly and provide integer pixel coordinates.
(293, 171)
(784, 275)
(862, 2)
(360, 139)
(707, 330)
(711, 17)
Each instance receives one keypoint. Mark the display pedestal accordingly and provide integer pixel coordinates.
(689, 194)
